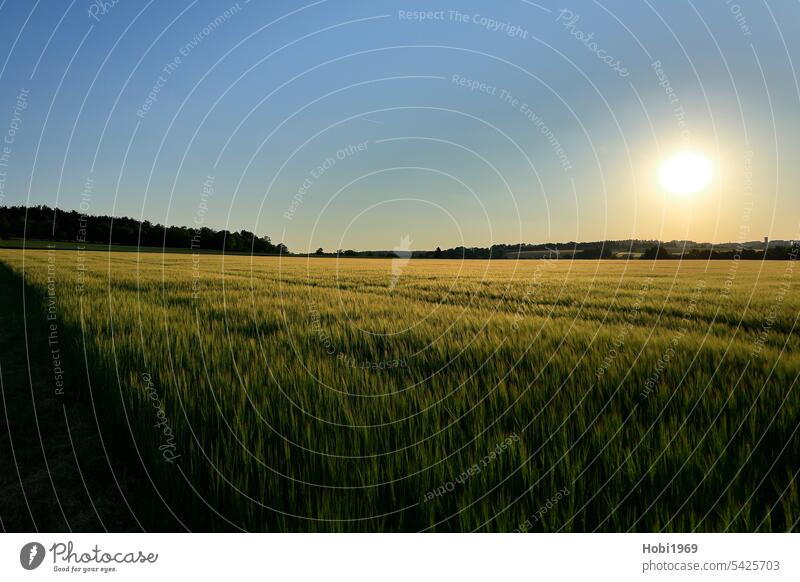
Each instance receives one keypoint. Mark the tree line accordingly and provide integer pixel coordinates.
(45, 223)
(777, 253)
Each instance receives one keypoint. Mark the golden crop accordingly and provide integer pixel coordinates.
(307, 394)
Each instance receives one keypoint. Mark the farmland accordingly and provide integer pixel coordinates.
(295, 394)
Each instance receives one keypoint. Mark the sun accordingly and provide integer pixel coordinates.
(685, 173)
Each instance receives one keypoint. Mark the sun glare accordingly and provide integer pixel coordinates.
(685, 173)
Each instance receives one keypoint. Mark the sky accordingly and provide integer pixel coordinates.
(342, 124)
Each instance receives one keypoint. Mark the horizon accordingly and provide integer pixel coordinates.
(528, 243)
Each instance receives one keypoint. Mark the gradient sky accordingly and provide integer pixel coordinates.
(557, 145)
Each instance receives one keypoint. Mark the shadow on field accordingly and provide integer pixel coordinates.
(64, 468)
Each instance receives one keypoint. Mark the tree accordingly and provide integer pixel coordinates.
(319, 251)
(5, 228)
(602, 251)
(657, 252)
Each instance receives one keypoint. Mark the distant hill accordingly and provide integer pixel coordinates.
(614, 249)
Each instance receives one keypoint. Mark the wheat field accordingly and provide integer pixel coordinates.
(294, 394)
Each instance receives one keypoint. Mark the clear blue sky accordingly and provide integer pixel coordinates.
(559, 137)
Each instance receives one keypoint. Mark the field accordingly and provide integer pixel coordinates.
(356, 395)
